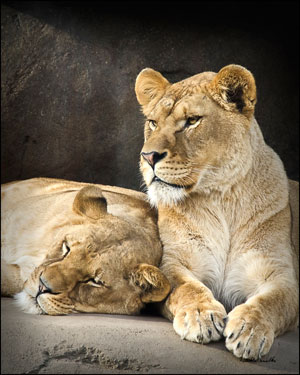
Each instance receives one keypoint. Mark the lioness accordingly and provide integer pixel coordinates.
(77, 247)
(223, 206)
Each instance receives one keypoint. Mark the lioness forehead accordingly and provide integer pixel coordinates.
(191, 84)
(180, 97)
(187, 105)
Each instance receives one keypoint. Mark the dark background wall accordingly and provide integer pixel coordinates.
(69, 69)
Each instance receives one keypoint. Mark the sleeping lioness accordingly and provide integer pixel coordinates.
(75, 247)
(223, 206)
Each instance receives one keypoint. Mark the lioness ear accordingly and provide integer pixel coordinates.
(150, 85)
(234, 89)
(155, 286)
(90, 202)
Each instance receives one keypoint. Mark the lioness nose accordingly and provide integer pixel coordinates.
(153, 157)
(42, 287)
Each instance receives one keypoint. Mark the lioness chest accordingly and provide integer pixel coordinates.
(201, 239)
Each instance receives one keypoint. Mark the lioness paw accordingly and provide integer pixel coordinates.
(248, 335)
(200, 325)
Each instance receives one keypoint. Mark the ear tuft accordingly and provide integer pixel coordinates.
(153, 283)
(150, 85)
(234, 89)
(90, 202)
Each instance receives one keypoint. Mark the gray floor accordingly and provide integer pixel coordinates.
(102, 344)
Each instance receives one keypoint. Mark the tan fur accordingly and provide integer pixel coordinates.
(223, 206)
(95, 248)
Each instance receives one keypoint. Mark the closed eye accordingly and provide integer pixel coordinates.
(65, 249)
(96, 282)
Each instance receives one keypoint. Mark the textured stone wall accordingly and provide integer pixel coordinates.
(68, 73)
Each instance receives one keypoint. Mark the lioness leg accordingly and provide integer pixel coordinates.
(252, 326)
(11, 281)
(266, 276)
(197, 316)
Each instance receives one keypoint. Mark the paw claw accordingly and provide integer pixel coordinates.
(197, 324)
(248, 337)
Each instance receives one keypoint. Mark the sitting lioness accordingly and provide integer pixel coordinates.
(77, 247)
(223, 210)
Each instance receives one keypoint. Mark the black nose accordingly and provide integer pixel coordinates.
(153, 157)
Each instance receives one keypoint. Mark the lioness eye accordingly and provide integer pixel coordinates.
(95, 282)
(193, 121)
(152, 124)
(65, 249)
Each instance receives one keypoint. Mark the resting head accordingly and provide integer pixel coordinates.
(101, 263)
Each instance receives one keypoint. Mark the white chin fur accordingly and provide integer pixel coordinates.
(160, 193)
(27, 303)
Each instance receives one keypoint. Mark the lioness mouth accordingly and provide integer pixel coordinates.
(156, 179)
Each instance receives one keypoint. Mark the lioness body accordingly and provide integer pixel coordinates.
(110, 233)
(223, 206)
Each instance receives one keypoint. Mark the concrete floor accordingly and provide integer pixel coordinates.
(115, 344)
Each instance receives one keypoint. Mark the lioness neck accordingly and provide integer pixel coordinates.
(238, 198)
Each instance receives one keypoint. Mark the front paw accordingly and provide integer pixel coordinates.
(200, 323)
(248, 334)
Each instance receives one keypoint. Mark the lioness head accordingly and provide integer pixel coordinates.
(196, 131)
(100, 263)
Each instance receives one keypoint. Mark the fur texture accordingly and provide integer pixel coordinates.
(223, 206)
(74, 247)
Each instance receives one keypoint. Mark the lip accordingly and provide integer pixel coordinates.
(157, 179)
(40, 291)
